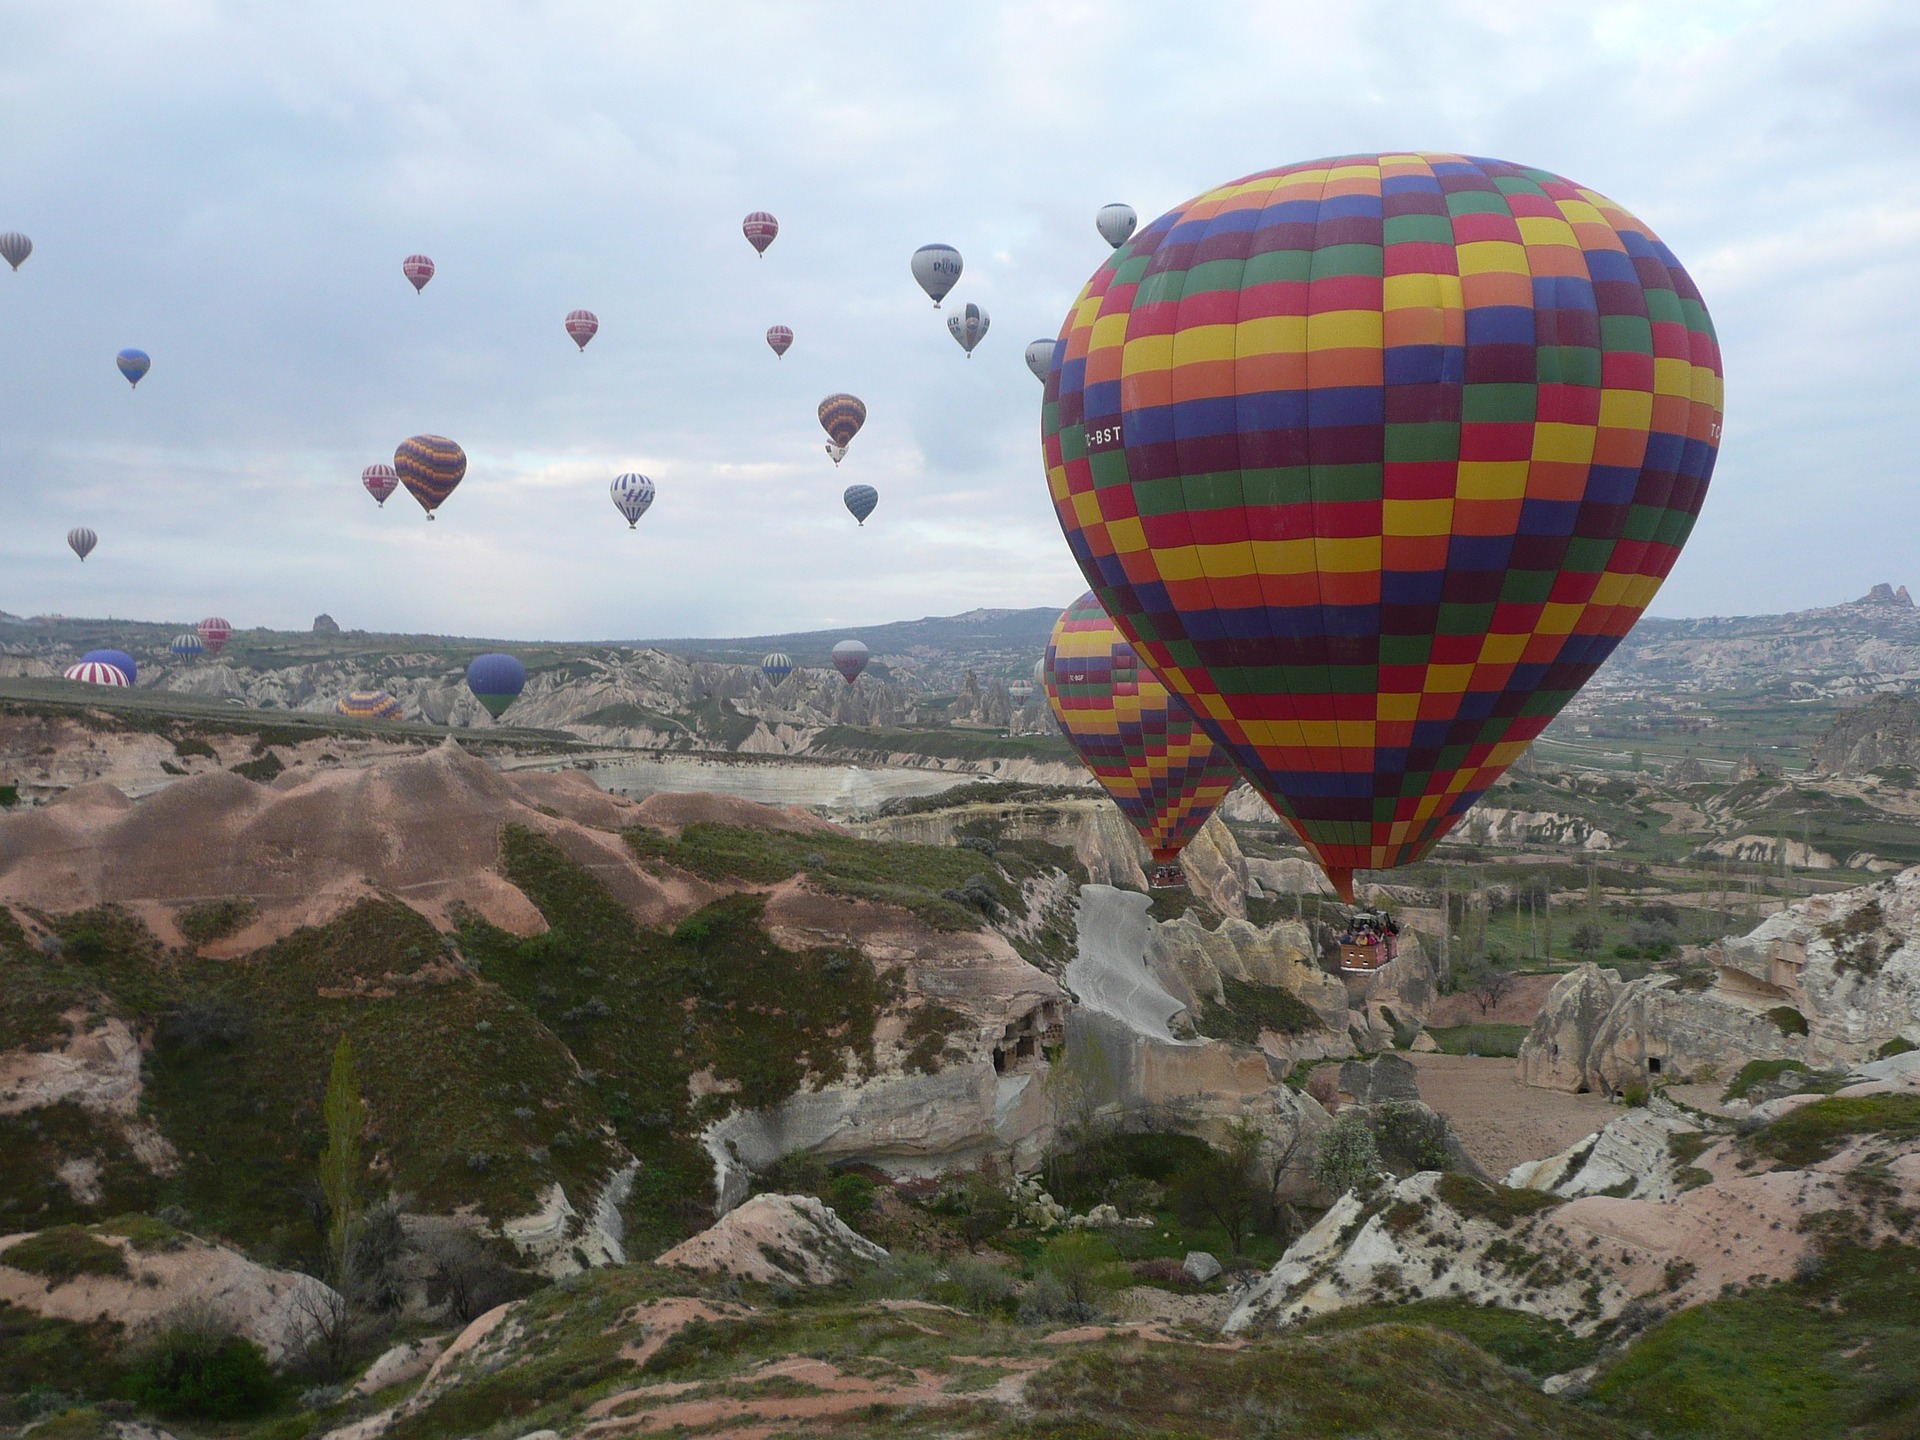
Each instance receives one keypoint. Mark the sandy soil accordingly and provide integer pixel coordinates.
(1500, 1120)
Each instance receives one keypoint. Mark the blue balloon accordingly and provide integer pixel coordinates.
(119, 659)
(860, 499)
(496, 681)
(133, 364)
(777, 666)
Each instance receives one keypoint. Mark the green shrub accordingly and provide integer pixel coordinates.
(1813, 1132)
(1899, 1045)
(1482, 1039)
(1348, 1157)
(192, 745)
(64, 1252)
(266, 768)
(1501, 1204)
(851, 1196)
(194, 1371)
(212, 920)
(1253, 1008)
(9, 796)
(1789, 1020)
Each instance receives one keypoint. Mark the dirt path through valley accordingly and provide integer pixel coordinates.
(1500, 1120)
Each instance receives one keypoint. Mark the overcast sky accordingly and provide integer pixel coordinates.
(232, 187)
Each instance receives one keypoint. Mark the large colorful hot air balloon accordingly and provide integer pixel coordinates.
(760, 228)
(496, 681)
(94, 672)
(1115, 223)
(1040, 359)
(430, 466)
(937, 268)
(841, 416)
(381, 481)
(133, 364)
(632, 494)
(780, 338)
(968, 325)
(1140, 742)
(368, 705)
(850, 658)
(860, 500)
(1375, 460)
(81, 541)
(188, 646)
(418, 269)
(777, 666)
(214, 634)
(582, 325)
(119, 659)
(15, 248)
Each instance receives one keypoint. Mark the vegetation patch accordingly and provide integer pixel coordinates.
(1788, 1020)
(36, 1143)
(1855, 938)
(1815, 1131)
(1761, 1074)
(1539, 1346)
(42, 1357)
(1251, 1009)
(63, 1253)
(1501, 1204)
(212, 920)
(1484, 1039)
(266, 768)
(926, 1037)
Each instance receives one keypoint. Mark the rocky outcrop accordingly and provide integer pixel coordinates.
(1216, 870)
(1766, 850)
(1632, 1157)
(1882, 733)
(777, 1239)
(97, 1068)
(1518, 829)
(1554, 1054)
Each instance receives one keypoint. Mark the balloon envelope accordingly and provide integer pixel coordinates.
(15, 248)
(496, 681)
(418, 269)
(368, 705)
(214, 633)
(967, 325)
(632, 494)
(841, 416)
(760, 228)
(381, 481)
(133, 364)
(188, 646)
(119, 659)
(94, 672)
(1020, 691)
(836, 452)
(430, 466)
(81, 541)
(937, 268)
(1115, 223)
(850, 658)
(582, 325)
(1139, 741)
(780, 338)
(1040, 359)
(860, 500)
(777, 666)
(1381, 529)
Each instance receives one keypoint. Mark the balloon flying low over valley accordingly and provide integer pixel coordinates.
(301, 261)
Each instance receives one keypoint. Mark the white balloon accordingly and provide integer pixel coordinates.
(968, 325)
(937, 268)
(1115, 223)
(632, 494)
(1040, 359)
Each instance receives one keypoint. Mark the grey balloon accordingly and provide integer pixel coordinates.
(968, 325)
(1040, 359)
(937, 268)
(1115, 223)
(15, 248)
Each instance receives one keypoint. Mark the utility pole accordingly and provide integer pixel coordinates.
(1446, 920)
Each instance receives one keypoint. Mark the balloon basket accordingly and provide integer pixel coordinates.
(1167, 877)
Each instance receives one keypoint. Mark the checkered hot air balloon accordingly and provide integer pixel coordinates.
(860, 500)
(968, 325)
(1140, 742)
(850, 658)
(582, 325)
(632, 494)
(841, 416)
(97, 672)
(430, 466)
(779, 339)
(1375, 460)
(368, 705)
(214, 633)
(760, 228)
(380, 482)
(419, 270)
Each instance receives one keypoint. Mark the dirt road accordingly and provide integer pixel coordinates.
(1500, 1120)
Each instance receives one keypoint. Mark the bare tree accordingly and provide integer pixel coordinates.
(1491, 986)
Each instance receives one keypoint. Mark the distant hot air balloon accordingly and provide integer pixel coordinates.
(937, 268)
(1140, 742)
(81, 541)
(632, 494)
(214, 633)
(860, 500)
(133, 364)
(1040, 359)
(496, 681)
(1383, 530)
(1020, 691)
(369, 705)
(967, 325)
(430, 466)
(188, 646)
(1115, 223)
(841, 416)
(418, 269)
(93, 672)
(760, 228)
(850, 658)
(837, 452)
(777, 666)
(780, 338)
(582, 325)
(15, 248)
(381, 481)
(119, 659)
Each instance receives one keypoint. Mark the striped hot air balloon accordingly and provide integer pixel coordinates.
(15, 248)
(214, 634)
(188, 646)
(368, 705)
(1140, 742)
(632, 494)
(119, 659)
(780, 339)
(380, 482)
(496, 681)
(1375, 460)
(430, 466)
(1020, 691)
(81, 541)
(97, 672)
(860, 500)
(760, 228)
(777, 666)
(968, 325)
(419, 270)
(582, 325)
(850, 658)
